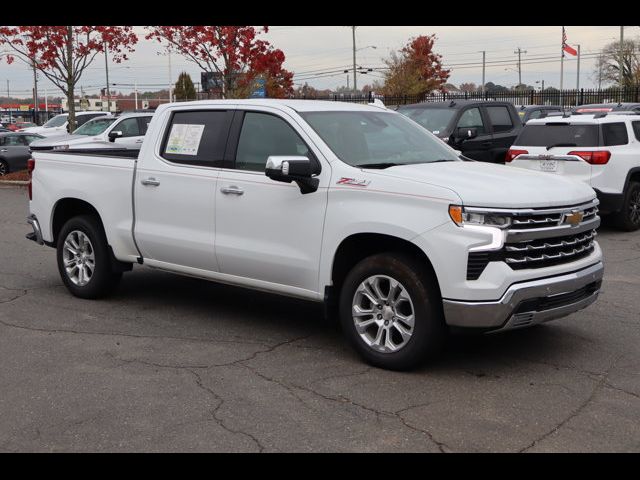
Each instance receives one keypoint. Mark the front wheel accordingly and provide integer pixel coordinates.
(83, 258)
(4, 168)
(629, 217)
(391, 311)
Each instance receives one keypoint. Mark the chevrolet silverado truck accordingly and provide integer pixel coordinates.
(355, 206)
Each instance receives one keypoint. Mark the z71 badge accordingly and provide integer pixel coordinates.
(354, 182)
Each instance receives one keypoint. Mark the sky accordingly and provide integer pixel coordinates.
(314, 53)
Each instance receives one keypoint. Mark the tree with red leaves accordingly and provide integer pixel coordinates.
(63, 53)
(233, 52)
(416, 69)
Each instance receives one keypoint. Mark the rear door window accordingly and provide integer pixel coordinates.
(614, 134)
(500, 118)
(197, 137)
(558, 133)
(636, 130)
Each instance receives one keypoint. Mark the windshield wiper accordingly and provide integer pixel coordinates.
(379, 165)
(561, 145)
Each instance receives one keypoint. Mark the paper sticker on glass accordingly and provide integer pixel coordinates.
(184, 139)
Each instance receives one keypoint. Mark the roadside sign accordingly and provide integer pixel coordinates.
(259, 88)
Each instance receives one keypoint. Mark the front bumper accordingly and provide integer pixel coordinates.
(530, 302)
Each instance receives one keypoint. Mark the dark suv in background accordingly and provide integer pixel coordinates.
(481, 130)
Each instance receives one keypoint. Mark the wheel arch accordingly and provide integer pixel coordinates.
(67, 208)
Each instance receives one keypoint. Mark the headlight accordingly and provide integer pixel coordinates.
(461, 217)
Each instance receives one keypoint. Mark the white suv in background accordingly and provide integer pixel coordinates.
(124, 131)
(602, 150)
(58, 125)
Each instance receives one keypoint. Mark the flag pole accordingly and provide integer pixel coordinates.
(561, 65)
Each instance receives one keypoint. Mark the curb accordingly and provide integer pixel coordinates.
(14, 182)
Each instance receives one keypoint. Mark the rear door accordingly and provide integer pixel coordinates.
(175, 189)
(478, 148)
(503, 128)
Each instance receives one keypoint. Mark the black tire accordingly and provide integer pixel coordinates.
(4, 168)
(628, 219)
(429, 330)
(103, 279)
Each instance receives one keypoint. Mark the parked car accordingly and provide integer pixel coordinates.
(14, 151)
(601, 150)
(125, 131)
(352, 205)
(58, 125)
(17, 126)
(607, 107)
(481, 130)
(529, 112)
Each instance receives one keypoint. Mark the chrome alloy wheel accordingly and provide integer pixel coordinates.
(78, 257)
(383, 313)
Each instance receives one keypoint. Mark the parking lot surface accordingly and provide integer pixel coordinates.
(171, 363)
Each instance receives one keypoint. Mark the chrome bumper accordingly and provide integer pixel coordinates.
(529, 303)
(36, 235)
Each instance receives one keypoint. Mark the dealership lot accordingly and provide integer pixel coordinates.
(178, 364)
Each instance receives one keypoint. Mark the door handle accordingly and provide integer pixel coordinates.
(3, 150)
(233, 190)
(139, 141)
(152, 182)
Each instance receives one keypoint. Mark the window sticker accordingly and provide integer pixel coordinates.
(184, 139)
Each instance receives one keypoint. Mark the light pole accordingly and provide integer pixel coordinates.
(484, 56)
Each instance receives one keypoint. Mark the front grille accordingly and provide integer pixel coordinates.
(547, 252)
(556, 301)
(537, 220)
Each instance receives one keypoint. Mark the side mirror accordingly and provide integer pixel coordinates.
(289, 169)
(466, 133)
(114, 134)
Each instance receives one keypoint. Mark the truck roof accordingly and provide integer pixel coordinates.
(298, 105)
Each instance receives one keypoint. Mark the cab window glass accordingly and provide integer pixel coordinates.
(263, 135)
(472, 119)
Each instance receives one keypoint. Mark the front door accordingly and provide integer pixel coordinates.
(477, 148)
(267, 230)
(175, 191)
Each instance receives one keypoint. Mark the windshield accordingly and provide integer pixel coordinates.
(436, 120)
(56, 121)
(377, 139)
(95, 126)
(558, 133)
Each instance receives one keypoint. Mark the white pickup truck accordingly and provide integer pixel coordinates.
(352, 205)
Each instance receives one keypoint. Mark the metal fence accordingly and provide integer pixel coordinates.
(564, 98)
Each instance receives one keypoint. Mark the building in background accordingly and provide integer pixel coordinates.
(87, 104)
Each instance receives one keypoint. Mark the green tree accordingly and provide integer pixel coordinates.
(184, 89)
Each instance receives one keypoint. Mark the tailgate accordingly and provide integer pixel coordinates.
(555, 162)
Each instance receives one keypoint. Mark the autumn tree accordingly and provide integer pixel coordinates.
(468, 87)
(234, 52)
(184, 89)
(63, 53)
(608, 64)
(416, 69)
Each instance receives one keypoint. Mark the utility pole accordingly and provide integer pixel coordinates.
(135, 90)
(578, 71)
(621, 56)
(9, 101)
(600, 72)
(106, 67)
(484, 55)
(519, 52)
(355, 81)
(35, 92)
(170, 76)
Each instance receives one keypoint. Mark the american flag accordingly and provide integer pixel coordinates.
(565, 47)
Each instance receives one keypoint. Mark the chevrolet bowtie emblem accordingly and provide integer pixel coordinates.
(574, 218)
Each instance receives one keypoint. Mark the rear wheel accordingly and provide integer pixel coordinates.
(84, 259)
(629, 217)
(4, 168)
(391, 311)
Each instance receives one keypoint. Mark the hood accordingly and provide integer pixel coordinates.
(46, 132)
(490, 185)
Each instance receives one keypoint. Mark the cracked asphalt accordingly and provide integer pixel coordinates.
(171, 363)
